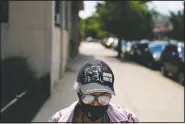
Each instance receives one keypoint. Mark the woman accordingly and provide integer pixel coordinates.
(94, 87)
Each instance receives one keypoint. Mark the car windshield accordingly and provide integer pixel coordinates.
(156, 47)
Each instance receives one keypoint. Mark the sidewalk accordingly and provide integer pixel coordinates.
(63, 95)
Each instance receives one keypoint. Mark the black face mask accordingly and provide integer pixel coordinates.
(93, 112)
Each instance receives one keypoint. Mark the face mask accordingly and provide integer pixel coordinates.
(93, 112)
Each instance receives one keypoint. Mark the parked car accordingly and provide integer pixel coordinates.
(126, 45)
(156, 48)
(89, 39)
(143, 55)
(144, 41)
(130, 50)
(108, 42)
(172, 59)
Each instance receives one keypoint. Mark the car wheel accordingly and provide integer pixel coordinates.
(181, 78)
(163, 71)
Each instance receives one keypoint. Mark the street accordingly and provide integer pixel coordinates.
(151, 96)
(45, 44)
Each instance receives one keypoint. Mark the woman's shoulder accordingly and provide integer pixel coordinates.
(56, 117)
(60, 115)
(131, 116)
(64, 112)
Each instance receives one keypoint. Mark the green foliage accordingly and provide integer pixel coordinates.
(130, 20)
(92, 27)
(82, 27)
(127, 19)
(177, 21)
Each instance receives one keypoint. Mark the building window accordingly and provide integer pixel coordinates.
(61, 21)
(57, 13)
(66, 15)
(4, 11)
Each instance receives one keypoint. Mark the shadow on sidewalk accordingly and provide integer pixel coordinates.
(75, 64)
(64, 94)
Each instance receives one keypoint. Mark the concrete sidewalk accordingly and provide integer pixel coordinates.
(63, 95)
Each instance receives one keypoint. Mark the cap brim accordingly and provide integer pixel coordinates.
(95, 87)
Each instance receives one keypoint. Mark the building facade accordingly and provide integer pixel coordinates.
(43, 31)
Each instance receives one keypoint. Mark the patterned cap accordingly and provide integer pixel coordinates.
(96, 76)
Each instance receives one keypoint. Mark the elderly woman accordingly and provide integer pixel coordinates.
(94, 87)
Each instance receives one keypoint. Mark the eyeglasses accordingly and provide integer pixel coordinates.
(103, 99)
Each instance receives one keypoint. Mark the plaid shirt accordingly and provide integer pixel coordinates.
(116, 114)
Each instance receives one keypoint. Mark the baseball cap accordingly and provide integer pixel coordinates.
(96, 76)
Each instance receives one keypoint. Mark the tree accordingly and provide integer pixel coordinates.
(92, 27)
(127, 19)
(177, 21)
(130, 20)
(82, 27)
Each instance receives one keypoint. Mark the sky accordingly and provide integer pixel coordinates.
(162, 6)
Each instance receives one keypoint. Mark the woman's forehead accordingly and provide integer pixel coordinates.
(100, 93)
